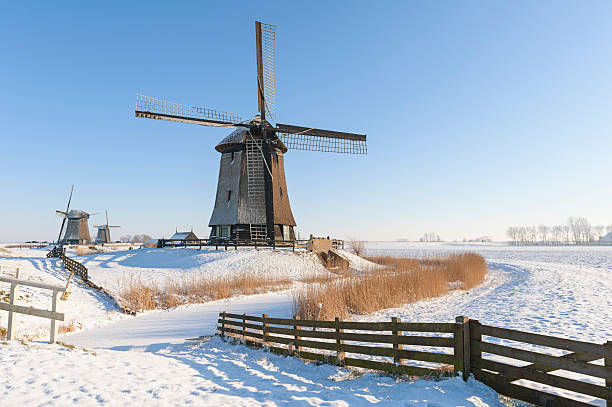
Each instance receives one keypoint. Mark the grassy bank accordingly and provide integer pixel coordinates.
(400, 281)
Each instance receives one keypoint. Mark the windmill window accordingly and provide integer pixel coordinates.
(229, 196)
(281, 191)
(223, 230)
(232, 156)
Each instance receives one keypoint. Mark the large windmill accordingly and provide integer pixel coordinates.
(252, 201)
(103, 235)
(77, 229)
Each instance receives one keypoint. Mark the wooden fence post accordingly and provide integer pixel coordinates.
(296, 337)
(10, 331)
(244, 327)
(462, 346)
(54, 309)
(608, 363)
(475, 341)
(396, 345)
(339, 342)
(223, 324)
(264, 325)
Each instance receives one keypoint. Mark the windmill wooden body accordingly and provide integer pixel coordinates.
(252, 202)
(103, 235)
(77, 229)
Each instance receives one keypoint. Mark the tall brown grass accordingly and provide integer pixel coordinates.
(84, 250)
(402, 281)
(140, 296)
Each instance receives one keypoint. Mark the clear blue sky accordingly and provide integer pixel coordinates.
(479, 115)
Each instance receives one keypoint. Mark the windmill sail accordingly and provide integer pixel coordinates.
(65, 215)
(265, 35)
(152, 108)
(311, 139)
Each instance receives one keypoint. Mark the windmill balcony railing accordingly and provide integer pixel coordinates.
(160, 106)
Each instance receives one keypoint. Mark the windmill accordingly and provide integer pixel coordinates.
(77, 229)
(103, 235)
(252, 201)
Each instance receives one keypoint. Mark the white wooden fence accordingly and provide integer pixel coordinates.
(12, 308)
(5, 267)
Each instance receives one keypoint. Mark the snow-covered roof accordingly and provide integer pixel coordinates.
(184, 236)
(607, 238)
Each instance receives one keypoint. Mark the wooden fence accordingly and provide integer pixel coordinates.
(27, 245)
(5, 267)
(76, 267)
(442, 348)
(57, 251)
(304, 337)
(490, 364)
(229, 243)
(12, 308)
(69, 264)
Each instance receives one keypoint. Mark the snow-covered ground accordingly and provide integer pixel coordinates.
(84, 309)
(110, 270)
(148, 360)
(88, 308)
(211, 373)
(563, 291)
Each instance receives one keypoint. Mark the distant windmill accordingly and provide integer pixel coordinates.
(104, 231)
(252, 202)
(77, 229)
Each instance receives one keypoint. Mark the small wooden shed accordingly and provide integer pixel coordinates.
(184, 236)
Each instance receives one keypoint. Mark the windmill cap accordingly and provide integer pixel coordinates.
(237, 138)
(77, 214)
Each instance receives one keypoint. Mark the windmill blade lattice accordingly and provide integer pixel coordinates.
(268, 54)
(311, 139)
(308, 142)
(152, 108)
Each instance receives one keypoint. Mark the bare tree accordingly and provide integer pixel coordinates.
(574, 229)
(597, 232)
(357, 247)
(140, 238)
(577, 230)
(543, 231)
(584, 228)
(558, 234)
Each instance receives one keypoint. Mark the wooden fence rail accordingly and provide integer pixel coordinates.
(491, 365)
(12, 308)
(76, 267)
(69, 264)
(390, 354)
(6, 267)
(441, 345)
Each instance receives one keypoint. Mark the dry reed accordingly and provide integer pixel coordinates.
(141, 296)
(71, 327)
(402, 281)
(84, 250)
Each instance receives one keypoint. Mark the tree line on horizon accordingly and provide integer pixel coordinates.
(576, 231)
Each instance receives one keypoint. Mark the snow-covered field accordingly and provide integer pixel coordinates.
(147, 359)
(563, 291)
(88, 308)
